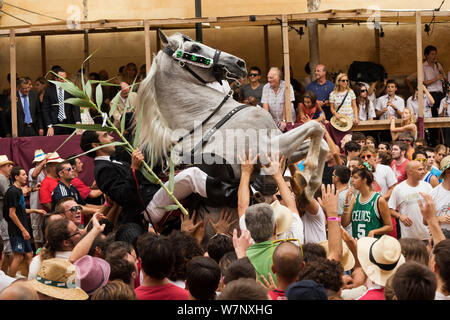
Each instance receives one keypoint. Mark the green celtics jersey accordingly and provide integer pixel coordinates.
(365, 216)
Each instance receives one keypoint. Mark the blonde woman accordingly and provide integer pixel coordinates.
(408, 124)
(343, 99)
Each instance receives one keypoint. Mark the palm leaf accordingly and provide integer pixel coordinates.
(114, 103)
(170, 207)
(122, 120)
(115, 143)
(138, 129)
(88, 127)
(147, 175)
(99, 95)
(73, 133)
(70, 88)
(171, 173)
(80, 102)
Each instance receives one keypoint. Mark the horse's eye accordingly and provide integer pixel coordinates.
(195, 48)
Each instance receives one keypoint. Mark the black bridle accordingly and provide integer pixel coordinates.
(184, 59)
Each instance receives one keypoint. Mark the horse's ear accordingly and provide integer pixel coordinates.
(163, 38)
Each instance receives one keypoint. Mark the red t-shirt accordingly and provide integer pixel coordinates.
(277, 294)
(47, 187)
(83, 189)
(165, 292)
(400, 170)
(373, 294)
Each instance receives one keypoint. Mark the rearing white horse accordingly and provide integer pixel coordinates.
(176, 100)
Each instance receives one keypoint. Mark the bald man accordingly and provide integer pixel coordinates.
(403, 202)
(272, 98)
(322, 89)
(287, 264)
(19, 290)
(126, 98)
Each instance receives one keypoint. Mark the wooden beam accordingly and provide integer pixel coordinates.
(374, 125)
(12, 68)
(148, 51)
(419, 67)
(266, 50)
(43, 56)
(158, 42)
(287, 73)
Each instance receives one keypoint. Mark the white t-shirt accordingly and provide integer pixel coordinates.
(382, 103)
(314, 226)
(414, 105)
(404, 200)
(346, 109)
(441, 197)
(385, 177)
(364, 113)
(441, 107)
(295, 230)
(34, 196)
(5, 280)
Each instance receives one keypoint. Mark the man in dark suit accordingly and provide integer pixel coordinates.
(56, 111)
(29, 116)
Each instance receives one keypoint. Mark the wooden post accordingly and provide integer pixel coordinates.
(313, 34)
(287, 73)
(148, 51)
(86, 52)
(43, 56)
(377, 46)
(158, 42)
(12, 63)
(419, 68)
(266, 50)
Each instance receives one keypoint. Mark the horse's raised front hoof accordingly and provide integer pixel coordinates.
(298, 185)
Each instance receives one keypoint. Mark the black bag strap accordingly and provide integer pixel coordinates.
(342, 102)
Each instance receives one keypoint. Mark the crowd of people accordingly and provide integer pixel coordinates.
(377, 229)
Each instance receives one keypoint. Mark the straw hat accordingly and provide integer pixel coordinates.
(54, 157)
(380, 258)
(284, 216)
(39, 155)
(348, 260)
(445, 164)
(57, 278)
(4, 160)
(344, 124)
(93, 273)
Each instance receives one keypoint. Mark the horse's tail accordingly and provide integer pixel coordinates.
(155, 138)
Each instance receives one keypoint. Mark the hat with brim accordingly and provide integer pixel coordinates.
(347, 260)
(445, 164)
(39, 155)
(54, 158)
(380, 258)
(57, 278)
(93, 273)
(344, 124)
(283, 215)
(4, 160)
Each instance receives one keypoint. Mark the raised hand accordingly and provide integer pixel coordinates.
(224, 223)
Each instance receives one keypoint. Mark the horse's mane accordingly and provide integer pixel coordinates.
(155, 138)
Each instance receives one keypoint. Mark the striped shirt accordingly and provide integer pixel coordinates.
(62, 191)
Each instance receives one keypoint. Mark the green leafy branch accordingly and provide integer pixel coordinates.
(82, 98)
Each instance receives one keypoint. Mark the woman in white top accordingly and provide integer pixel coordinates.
(444, 110)
(343, 94)
(428, 102)
(408, 124)
(365, 106)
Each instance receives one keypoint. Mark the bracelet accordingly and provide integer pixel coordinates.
(338, 219)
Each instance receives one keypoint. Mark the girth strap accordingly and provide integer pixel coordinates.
(216, 127)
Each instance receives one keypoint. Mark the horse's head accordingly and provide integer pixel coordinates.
(207, 63)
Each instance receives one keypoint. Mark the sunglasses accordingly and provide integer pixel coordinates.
(76, 233)
(343, 80)
(253, 74)
(364, 90)
(281, 241)
(421, 160)
(365, 156)
(75, 209)
(68, 169)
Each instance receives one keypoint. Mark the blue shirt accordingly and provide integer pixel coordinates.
(322, 91)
